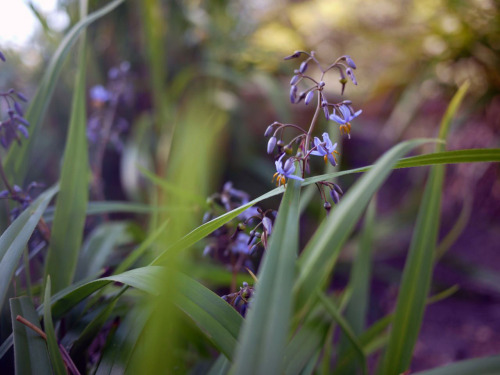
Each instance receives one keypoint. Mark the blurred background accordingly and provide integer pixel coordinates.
(218, 64)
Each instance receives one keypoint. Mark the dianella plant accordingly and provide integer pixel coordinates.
(201, 282)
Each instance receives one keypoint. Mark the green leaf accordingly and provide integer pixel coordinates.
(220, 322)
(18, 159)
(305, 344)
(346, 329)
(417, 273)
(54, 352)
(119, 348)
(220, 366)
(359, 282)
(448, 157)
(71, 204)
(98, 247)
(262, 342)
(30, 349)
(483, 366)
(320, 254)
(16, 236)
(144, 279)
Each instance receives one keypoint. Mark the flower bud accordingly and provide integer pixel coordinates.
(349, 61)
(293, 94)
(327, 113)
(268, 131)
(293, 56)
(338, 189)
(321, 84)
(327, 206)
(309, 97)
(267, 224)
(335, 196)
(21, 120)
(18, 109)
(271, 144)
(21, 96)
(288, 150)
(351, 75)
(2, 56)
(23, 131)
(303, 67)
(294, 80)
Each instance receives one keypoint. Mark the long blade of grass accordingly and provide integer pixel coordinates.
(483, 366)
(262, 342)
(320, 255)
(346, 328)
(17, 161)
(69, 216)
(217, 319)
(54, 352)
(417, 273)
(16, 236)
(304, 345)
(359, 282)
(30, 349)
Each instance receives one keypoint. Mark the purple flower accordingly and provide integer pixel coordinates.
(347, 116)
(285, 171)
(99, 94)
(325, 149)
(309, 97)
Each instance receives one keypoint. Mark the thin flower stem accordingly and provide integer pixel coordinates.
(308, 136)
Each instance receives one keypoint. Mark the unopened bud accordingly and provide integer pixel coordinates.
(351, 75)
(2, 56)
(268, 131)
(267, 224)
(294, 80)
(321, 84)
(293, 56)
(303, 67)
(338, 189)
(335, 196)
(309, 97)
(271, 144)
(327, 206)
(293, 94)
(21, 96)
(349, 61)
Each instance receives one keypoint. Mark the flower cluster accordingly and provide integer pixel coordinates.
(240, 300)
(14, 126)
(341, 113)
(238, 245)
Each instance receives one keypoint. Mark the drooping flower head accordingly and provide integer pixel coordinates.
(285, 171)
(326, 149)
(345, 120)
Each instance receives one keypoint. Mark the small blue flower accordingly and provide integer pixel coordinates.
(99, 94)
(285, 171)
(344, 121)
(325, 149)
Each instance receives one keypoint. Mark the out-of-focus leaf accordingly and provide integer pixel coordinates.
(304, 345)
(30, 349)
(221, 366)
(71, 204)
(15, 238)
(220, 322)
(262, 342)
(99, 246)
(320, 254)
(359, 282)
(417, 273)
(483, 366)
(17, 161)
(97, 208)
(54, 353)
(118, 350)
(346, 329)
